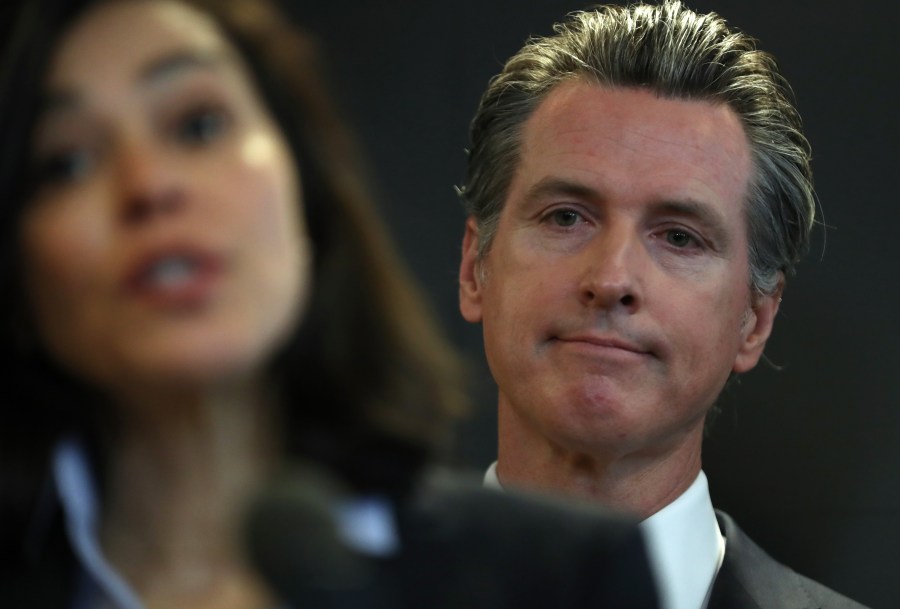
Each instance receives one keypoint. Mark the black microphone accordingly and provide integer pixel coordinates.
(462, 546)
(293, 538)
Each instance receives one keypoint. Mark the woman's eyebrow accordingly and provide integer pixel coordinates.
(156, 71)
(172, 64)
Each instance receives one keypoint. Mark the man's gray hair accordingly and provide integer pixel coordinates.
(677, 53)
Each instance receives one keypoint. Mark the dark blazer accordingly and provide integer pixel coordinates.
(751, 579)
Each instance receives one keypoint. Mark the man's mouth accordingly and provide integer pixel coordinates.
(605, 342)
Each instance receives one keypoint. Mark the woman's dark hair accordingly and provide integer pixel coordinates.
(366, 382)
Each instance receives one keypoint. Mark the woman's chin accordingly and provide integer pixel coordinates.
(191, 369)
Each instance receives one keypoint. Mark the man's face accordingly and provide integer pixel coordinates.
(614, 298)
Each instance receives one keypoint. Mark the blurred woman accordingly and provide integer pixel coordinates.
(197, 293)
(196, 289)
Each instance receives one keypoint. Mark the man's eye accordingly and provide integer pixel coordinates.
(565, 217)
(680, 238)
(63, 167)
(201, 126)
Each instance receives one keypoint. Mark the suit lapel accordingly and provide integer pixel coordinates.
(728, 592)
(751, 579)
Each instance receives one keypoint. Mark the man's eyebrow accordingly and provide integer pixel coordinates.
(707, 216)
(555, 187)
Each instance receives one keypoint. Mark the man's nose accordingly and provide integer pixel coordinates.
(612, 277)
(151, 183)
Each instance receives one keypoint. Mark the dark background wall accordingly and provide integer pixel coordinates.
(806, 458)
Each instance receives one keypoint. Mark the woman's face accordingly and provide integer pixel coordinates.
(165, 244)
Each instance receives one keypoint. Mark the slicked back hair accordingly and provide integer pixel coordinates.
(678, 54)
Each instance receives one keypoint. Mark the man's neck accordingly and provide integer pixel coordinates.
(635, 480)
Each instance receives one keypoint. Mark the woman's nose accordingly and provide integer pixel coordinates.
(151, 183)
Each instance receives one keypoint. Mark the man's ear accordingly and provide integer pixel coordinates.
(757, 327)
(470, 276)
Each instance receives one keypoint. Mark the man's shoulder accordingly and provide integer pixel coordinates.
(750, 578)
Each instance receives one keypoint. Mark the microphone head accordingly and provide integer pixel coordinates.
(292, 539)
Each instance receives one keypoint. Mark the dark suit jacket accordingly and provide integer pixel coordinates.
(751, 579)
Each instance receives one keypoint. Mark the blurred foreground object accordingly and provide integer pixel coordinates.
(453, 544)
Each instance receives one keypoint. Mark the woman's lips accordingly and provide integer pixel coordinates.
(175, 279)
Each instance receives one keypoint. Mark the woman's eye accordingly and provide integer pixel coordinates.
(679, 238)
(201, 126)
(565, 217)
(64, 167)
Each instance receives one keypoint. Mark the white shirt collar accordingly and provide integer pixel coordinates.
(491, 479)
(684, 544)
(75, 485)
(686, 547)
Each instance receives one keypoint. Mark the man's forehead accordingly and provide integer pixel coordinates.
(584, 127)
(580, 103)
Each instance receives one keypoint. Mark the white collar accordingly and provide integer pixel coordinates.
(78, 496)
(684, 544)
(686, 547)
(491, 479)
(366, 524)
